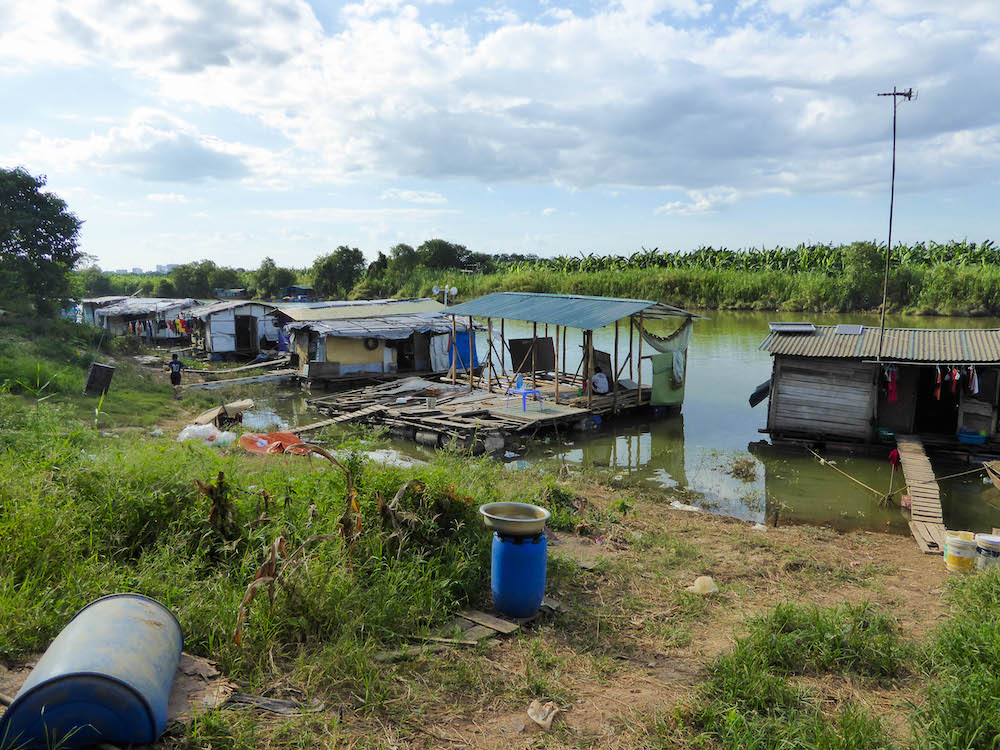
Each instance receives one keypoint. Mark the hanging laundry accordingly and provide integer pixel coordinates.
(973, 381)
(937, 382)
(955, 377)
(893, 385)
(894, 458)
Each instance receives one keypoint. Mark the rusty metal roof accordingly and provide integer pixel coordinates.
(370, 308)
(901, 344)
(572, 310)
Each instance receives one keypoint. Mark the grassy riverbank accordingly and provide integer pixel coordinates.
(815, 639)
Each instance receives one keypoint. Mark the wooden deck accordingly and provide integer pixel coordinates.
(442, 413)
(926, 519)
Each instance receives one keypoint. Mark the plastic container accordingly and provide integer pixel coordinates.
(970, 437)
(960, 551)
(515, 519)
(885, 434)
(518, 574)
(105, 678)
(987, 551)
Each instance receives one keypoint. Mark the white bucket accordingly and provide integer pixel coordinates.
(987, 551)
(960, 551)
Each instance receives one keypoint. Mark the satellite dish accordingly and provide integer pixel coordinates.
(436, 289)
(453, 291)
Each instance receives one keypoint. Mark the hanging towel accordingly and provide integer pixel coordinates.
(955, 377)
(937, 382)
(973, 381)
(893, 385)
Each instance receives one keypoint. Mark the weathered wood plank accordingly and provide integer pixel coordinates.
(481, 618)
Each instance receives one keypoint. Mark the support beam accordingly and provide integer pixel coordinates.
(472, 346)
(631, 341)
(454, 350)
(534, 343)
(489, 332)
(503, 350)
(557, 363)
(590, 367)
(638, 398)
(614, 375)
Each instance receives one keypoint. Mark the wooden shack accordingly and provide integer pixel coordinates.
(829, 383)
(236, 327)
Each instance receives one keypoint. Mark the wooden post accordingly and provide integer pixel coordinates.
(590, 368)
(631, 341)
(472, 345)
(489, 332)
(564, 351)
(614, 376)
(556, 347)
(454, 350)
(534, 343)
(503, 350)
(638, 398)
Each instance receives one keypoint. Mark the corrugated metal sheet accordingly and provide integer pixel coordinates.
(792, 327)
(900, 344)
(574, 311)
(206, 310)
(392, 327)
(342, 310)
(144, 306)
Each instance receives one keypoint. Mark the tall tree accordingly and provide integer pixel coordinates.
(270, 279)
(442, 254)
(335, 274)
(38, 240)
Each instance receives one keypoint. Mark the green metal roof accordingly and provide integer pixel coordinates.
(573, 311)
(946, 346)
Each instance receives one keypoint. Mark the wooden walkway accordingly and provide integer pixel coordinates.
(926, 519)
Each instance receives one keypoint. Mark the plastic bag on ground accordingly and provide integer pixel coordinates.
(271, 443)
(206, 434)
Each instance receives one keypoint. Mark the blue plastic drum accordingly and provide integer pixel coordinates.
(106, 677)
(518, 575)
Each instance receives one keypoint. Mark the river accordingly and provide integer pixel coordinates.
(691, 455)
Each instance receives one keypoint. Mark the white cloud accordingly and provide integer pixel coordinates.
(168, 198)
(413, 196)
(548, 211)
(351, 214)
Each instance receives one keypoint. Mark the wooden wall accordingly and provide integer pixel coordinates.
(821, 398)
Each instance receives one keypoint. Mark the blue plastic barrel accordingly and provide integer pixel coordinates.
(106, 677)
(518, 574)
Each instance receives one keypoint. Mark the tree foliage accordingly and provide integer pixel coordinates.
(441, 254)
(201, 279)
(270, 279)
(335, 274)
(38, 241)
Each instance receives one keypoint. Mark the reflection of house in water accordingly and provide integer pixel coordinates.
(826, 384)
(653, 450)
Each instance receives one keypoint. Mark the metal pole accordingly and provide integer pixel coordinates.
(534, 343)
(614, 376)
(557, 363)
(631, 341)
(590, 367)
(503, 350)
(489, 325)
(472, 344)
(454, 350)
(908, 94)
(639, 392)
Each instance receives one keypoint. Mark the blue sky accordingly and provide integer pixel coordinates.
(239, 129)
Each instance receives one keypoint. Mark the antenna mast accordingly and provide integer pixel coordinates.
(907, 95)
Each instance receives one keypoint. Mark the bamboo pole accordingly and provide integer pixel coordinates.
(564, 350)
(557, 363)
(534, 343)
(454, 350)
(590, 368)
(631, 341)
(614, 382)
(472, 345)
(638, 398)
(503, 350)
(489, 326)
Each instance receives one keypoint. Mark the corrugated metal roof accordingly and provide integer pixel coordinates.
(574, 311)
(389, 327)
(106, 300)
(792, 327)
(206, 310)
(341, 310)
(900, 344)
(144, 306)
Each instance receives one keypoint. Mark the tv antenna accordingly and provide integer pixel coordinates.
(897, 97)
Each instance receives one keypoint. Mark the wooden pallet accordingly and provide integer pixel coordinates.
(926, 516)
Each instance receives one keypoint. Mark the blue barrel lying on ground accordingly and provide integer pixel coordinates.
(106, 677)
(518, 574)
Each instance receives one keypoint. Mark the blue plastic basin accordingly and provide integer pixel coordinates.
(106, 677)
(971, 438)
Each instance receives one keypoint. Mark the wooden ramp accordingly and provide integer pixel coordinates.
(926, 519)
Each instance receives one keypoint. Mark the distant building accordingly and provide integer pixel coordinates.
(137, 270)
(297, 291)
(171, 266)
(121, 270)
(161, 269)
(230, 293)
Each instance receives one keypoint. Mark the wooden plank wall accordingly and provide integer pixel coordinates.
(822, 397)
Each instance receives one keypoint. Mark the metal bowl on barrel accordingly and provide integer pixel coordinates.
(519, 556)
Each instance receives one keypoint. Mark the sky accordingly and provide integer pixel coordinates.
(238, 129)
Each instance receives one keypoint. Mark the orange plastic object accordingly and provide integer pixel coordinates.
(272, 442)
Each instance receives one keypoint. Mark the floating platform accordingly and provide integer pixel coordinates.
(447, 413)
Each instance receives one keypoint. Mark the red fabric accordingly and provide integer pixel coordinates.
(894, 457)
(893, 386)
(955, 376)
(272, 442)
(937, 384)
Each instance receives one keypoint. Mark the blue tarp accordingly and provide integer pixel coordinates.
(462, 340)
